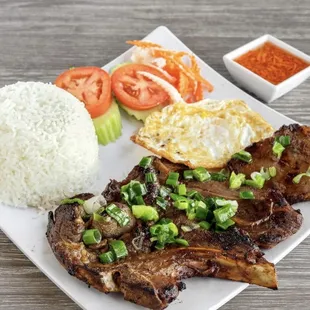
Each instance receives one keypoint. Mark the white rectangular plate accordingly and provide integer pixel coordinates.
(28, 228)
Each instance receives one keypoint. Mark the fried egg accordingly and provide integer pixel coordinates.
(203, 134)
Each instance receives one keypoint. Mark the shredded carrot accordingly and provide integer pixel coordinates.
(183, 85)
(199, 92)
(272, 63)
(189, 81)
(143, 44)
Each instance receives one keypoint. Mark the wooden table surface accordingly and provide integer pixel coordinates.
(39, 39)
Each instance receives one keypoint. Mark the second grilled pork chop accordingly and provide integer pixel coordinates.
(295, 159)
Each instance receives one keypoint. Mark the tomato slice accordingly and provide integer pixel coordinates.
(136, 91)
(91, 85)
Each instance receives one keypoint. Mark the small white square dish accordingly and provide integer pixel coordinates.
(254, 83)
(29, 227)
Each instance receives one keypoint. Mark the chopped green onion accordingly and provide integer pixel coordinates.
(107, 257)
(164, 191)
(181, 242)
(236, 180)
(163, 233)
(161, 202)
(118, 248)
(100, 210)
(257, 181)
(201, 174)
(278, 149)
(219, 176)
(139, 200)
(298, 177)
(247, 195)
(188, 174)
(224, 213)
(173, 179)
(186, 228)
(284, 140)
(139, 189)
(165, 221)
(205, 225)
(201, 213)
(244, 156)
(199, 197)
(98, 218)
(145, 162)
(225, 224)
(72, 200)
(176, 197)
(91, 236)
(272, 171)
(191, 193)
(265, 173)
(181, 189)
(145, 213)
(181, 204)
(150, 177)
(223, 202)
(118, 214)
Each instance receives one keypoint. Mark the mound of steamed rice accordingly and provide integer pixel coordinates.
(48, 145)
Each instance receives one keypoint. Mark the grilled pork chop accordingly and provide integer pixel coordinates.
(149, 277)
(295, 159)
(269, 218)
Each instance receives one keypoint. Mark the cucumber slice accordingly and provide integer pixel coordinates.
(109, 125)
(140, 115)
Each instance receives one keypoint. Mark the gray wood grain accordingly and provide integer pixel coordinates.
(39, 39)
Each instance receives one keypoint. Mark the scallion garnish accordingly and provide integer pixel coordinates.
(201, 174)
(224, 213)
(164, 232)
(181, 189)
(181, 242)
(188, 174)
(272, 171)
(247, 195)
(176, 197)
(298, 177)
(118, 248)
(139, 189)
(236, 180)
(98, 218)
(284, 140)
(244, 156)
(191, 193)
(181, 204)
(145, 162)
(164, 191)
(150, 177)
(219, 176)
(205, 225)
(71, 201)
(139, 200)
(173, 179)
(161, 202)
(278, 149)
(91, 236)
(145, 213)
(257, 181)
(186, 228)
(107, 257)
(225, 224)
(118, 214)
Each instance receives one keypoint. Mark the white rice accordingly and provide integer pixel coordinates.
(48, 145)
